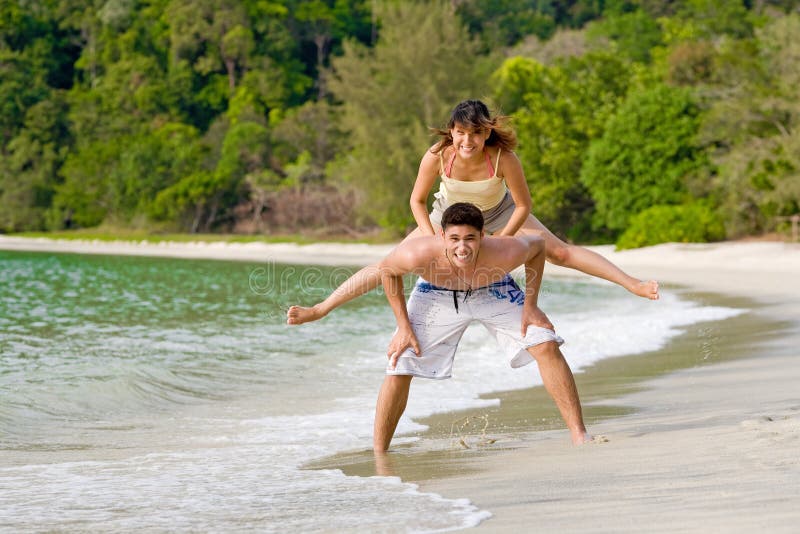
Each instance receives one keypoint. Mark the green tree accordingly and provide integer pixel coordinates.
(755, 127)
(686, 223)
(312, 128)
(203, 198)
(645, 155)
(558, 110)
(212, 35)
(632, 34)
(422, 65)
(499, 23)
(710, 18)
(119, 178)
(29, 167)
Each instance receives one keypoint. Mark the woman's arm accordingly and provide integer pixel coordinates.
(426, 176)
(518, 187)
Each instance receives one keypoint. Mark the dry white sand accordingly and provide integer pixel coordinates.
(316, 254)
(710, 449)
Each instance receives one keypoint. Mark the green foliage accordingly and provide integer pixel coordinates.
(758, 182)
(687, 223)
(423, 63)
(644, 156)
(29, 169)
(312, 128)
(710, 18)
(558, 110)
(633, 34)
(120, 177)
(756, 127)
(199, 114)
(505, 22)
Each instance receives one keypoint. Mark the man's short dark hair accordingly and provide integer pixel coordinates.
(463, 213)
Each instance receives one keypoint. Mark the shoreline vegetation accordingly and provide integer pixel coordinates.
(259, 116)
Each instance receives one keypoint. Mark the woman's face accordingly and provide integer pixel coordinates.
(468, 142)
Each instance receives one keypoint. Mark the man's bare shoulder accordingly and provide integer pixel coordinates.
(425, 246)
(415, 252)
(510, 249)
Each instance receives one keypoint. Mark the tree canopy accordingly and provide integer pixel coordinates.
(287, 115)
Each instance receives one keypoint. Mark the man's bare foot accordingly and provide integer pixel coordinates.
(300, 314)
(579, 438)
(384, 464)
(647, 289)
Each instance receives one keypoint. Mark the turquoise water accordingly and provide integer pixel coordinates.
(163, 394)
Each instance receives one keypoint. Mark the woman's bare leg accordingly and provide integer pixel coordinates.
(360, 283)
(587, 261)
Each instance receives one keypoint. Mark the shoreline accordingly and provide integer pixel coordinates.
(529, 414)
(328, 254)
(683, 264)
(703, 446)
(706, 448)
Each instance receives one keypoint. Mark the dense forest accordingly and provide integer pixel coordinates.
(639, 121)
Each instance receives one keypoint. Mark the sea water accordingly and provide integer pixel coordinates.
(163, 394)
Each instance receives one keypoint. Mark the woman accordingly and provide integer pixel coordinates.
(475, 162)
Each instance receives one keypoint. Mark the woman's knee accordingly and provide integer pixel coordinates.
(558, 253)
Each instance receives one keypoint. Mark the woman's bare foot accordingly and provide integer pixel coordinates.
(647, 289)
(300, 314)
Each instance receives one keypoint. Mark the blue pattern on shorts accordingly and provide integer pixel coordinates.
(506, 288)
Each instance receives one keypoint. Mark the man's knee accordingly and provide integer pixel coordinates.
(395, 388)
(397, 381)
(546, 353)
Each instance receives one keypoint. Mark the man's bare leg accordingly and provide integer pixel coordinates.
(560, 384)
(391, 404)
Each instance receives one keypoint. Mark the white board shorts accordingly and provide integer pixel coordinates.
(440, 316)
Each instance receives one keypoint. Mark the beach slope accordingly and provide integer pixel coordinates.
(707, 449)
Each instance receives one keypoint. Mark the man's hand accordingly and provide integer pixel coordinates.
(532, 315)
(404, 338)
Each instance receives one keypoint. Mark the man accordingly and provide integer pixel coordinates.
(464, 276)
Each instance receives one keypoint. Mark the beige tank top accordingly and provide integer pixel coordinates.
(485, 194)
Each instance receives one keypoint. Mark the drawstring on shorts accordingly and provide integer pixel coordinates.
(467, 293)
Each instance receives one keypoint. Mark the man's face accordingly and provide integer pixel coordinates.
(462, 243)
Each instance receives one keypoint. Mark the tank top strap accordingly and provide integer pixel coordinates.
(489, 163)
(441, 163)
(449, 168)
(497, 162)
